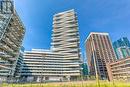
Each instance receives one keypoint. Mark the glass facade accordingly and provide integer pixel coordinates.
(85, 69)
(122, 48)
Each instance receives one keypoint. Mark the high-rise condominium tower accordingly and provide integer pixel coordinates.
(65, 40)
(99, 53)
(11, 36)
(62, 62)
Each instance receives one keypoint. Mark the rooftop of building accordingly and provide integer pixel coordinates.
(99, 33)
(121, 60)
(71, 10)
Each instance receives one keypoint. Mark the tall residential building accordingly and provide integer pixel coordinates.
(99, 52)
(11, 35)
(62, 62)
(122, 48)
(65, 39)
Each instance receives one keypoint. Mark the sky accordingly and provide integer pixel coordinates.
(111, 16)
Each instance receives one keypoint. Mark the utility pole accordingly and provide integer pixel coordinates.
(95, 65)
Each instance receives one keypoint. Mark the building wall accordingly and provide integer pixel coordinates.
(119, 70)
(11, 35)
(99, 52)
(46, 66)
(19, 64)
(65, 38)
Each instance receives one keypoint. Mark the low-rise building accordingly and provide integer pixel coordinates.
(44, 65)
(119, 70)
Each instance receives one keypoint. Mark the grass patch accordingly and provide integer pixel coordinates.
(72, 84)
